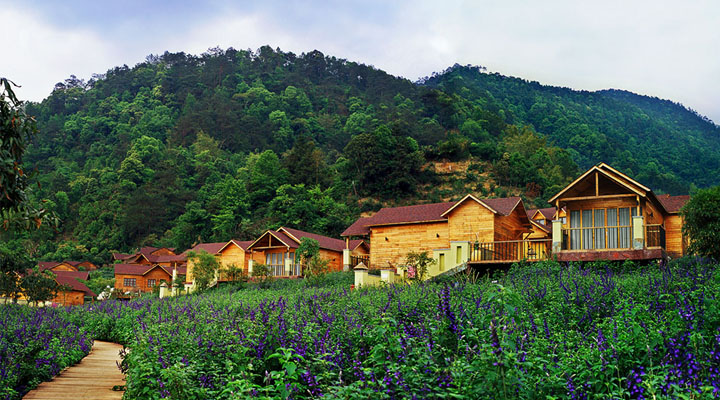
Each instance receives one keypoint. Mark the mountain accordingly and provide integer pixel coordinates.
(662, 143)
(181, 148)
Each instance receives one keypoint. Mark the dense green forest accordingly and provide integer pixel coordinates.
(180, 148)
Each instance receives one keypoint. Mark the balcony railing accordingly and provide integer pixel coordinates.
(600, 238)
(355, 260)
(511, 250)
(654, 235)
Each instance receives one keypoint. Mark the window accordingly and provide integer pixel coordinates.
(129, 282)
(602, 228)
(151, 282)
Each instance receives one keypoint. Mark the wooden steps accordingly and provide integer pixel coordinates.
(92, 378)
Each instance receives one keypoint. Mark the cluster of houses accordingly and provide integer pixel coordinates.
(69, 275)
(602, 215)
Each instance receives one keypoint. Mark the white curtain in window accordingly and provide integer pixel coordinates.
(624, 231)
(575, 241)
(599, 229)
(612, 233)
(587, 222)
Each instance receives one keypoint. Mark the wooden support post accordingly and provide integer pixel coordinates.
(597, 184)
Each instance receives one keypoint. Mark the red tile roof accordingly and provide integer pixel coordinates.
(73, 274)
(325, 242)
(167, 258)
(673, 204)
(359, 227)
(138, 269)
(503, 205)
(243, 244)
(410, 214)
(122, 256)
(211, 248)
(74, 284)
(357, 242)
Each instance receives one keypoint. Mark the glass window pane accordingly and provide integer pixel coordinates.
(600, 229)
(575, 234)
(587, 223)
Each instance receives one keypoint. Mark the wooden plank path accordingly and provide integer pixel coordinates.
(92, 378)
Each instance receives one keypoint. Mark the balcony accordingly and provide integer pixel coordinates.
(510, 251)
(633, 242)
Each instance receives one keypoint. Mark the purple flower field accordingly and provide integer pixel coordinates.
(543, 331)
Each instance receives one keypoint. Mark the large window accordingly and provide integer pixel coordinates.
(601, 228)
(151, 282)
(129, 282)
(276, 262)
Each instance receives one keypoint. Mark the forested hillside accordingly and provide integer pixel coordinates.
(661, 143)
(180, 148)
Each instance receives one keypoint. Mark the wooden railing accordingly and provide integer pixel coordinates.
(600, 238)
(355, 260)
(511, 250)
(654, 235)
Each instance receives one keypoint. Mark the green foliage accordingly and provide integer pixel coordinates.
(418, 263)
(39, 287)
(701, 216)
(205, 268)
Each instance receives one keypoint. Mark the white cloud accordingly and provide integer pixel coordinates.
(652, 47)
(36, 55)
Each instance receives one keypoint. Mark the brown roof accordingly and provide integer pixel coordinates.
(673, 204)
(325, 242)
(122, 256)
(548, 213)
(211, 248)
(45, 265)
(359, 227)
(168, 258)
(410, 214)
(536, 224)
(357, 242)
(138, 269)
(243, 244)
(73, 274)
(74, 284)
(503, 205)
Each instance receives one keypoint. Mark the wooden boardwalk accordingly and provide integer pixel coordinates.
(92, 378)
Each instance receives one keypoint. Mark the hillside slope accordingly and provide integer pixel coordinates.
(180, 148)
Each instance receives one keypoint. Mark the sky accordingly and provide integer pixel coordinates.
(666, 49)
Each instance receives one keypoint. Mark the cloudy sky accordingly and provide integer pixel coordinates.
(654, 47)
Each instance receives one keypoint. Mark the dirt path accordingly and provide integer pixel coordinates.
(92, 378)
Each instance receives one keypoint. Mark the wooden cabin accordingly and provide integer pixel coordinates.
(276, 249)
(151, 256)
(228, 254)
(472, 229)
(610, 216)
(141, 278)
(55, 266)
(76, 292)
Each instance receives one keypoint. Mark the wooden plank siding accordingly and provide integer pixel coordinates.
(470, 221)
(509, 227)
(674, 239)
(141, 283)
(233, 254)
(390, 244)
(69, 298)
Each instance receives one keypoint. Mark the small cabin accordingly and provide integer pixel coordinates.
(276, 249)
(610, 216)
(75, 291)
(142, 278)
(228, 254)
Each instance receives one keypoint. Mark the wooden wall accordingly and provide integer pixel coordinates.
(158, 274)
(402, 239)
(334, 259)
(674, 243)
(69, 298)
(510, 227)
(470, 221)
(233, 254)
